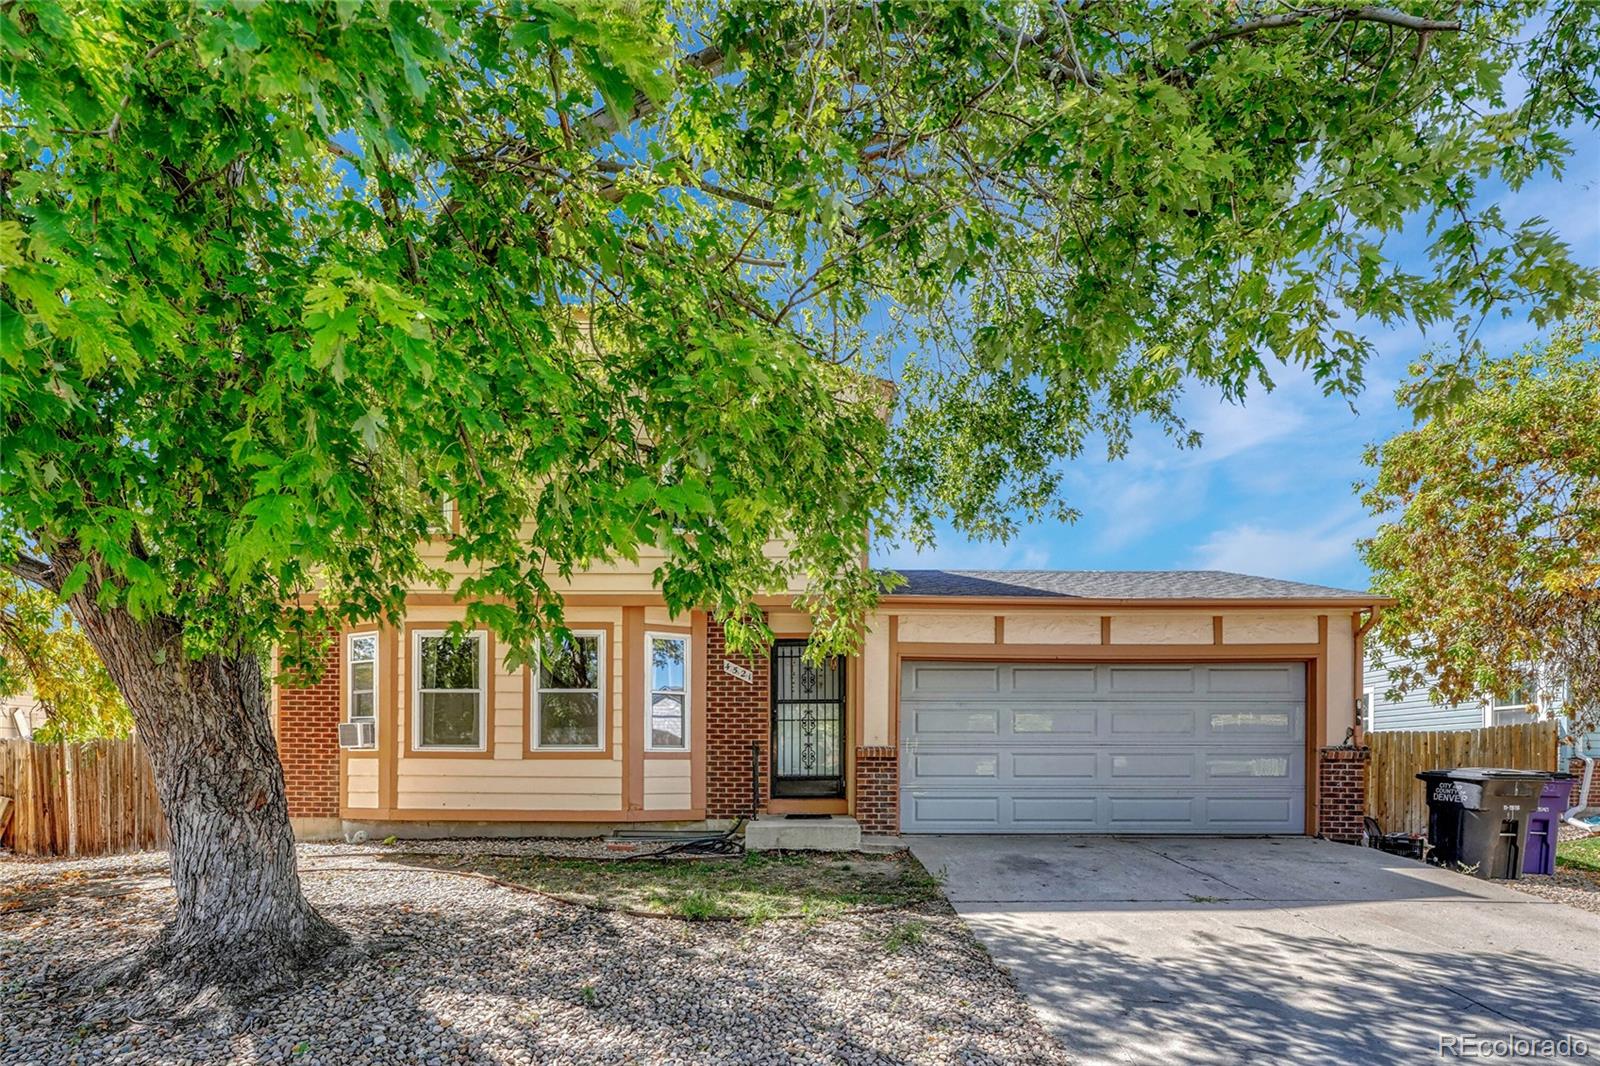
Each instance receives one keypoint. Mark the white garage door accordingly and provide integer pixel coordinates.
(1102, 748)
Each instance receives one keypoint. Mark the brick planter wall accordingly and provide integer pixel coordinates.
(308, 741)
(737, 714)
(1342, 793)
(878, 790)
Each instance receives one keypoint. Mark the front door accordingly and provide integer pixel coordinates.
(808, 728)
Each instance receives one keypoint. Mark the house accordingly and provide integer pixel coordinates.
(1415, 708)
(981, 701)
(20, 714)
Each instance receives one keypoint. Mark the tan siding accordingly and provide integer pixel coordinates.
(1269, 628)
(789, 623)
(1340, 713)
(361, 783)
(947, 628)
(1052, 627)
(622, 575)
(875, 674)
(666, 785)
(483, 801)
(660, 616)
(1161, 629)
(509, 781)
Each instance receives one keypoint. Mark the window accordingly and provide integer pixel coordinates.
(443, 522)
(666, 671)
(449, 683)
(361, 696)
(1369, 710)
(568, 705)
(1511, 709)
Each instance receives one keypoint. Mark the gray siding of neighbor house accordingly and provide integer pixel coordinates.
(1417, 710)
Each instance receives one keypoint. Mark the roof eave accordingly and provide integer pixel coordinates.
(1050, 600)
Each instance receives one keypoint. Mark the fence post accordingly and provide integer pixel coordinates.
(70, 762)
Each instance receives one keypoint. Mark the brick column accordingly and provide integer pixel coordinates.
(308, 740)
(738, 713)
(878, 789)
(1342, 788)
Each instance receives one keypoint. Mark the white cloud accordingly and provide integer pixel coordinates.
(954, 554)
(1126, 510)
(1301, 552)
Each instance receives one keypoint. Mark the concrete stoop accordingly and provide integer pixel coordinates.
(774, 832)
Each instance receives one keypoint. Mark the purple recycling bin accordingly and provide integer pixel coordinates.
(1544, 827)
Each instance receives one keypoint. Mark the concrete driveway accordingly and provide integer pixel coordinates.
(1205, 950)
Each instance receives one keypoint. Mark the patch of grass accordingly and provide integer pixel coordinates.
(754, 888)
(907, 934)
(1205, 899)
(1580, 854)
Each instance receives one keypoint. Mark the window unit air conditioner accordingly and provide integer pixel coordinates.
(362, 733)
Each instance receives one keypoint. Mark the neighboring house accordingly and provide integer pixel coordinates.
(1014, 701)
(20, 715)
(1415, 709)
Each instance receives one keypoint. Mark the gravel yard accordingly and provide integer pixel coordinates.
(1573, 884)
(477, 972)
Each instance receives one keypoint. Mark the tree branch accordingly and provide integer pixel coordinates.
(1384, 15)
(34, 571)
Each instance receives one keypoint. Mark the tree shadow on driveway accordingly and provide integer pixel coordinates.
(1123, 985)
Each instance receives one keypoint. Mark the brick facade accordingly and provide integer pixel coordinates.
(1342, 793)
(738, 714)
(308, 741)
(878, 789)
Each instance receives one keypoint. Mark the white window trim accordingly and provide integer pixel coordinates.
(349, 682)
(534, 705)
(417, 636)
(1372, 710)
(688, 688)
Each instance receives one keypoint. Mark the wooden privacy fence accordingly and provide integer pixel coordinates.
(1396, 798)
(94, 798)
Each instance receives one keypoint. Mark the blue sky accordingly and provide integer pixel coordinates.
(1270, 490)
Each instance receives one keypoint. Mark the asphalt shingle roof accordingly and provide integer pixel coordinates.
(1116, 585)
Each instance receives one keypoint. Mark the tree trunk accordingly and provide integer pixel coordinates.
(243, 923)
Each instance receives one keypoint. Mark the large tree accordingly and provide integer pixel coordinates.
(1490, 542)
(280, 276)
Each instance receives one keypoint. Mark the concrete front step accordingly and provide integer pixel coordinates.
(774, 832)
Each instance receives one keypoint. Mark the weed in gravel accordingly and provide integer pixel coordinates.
(907, 934)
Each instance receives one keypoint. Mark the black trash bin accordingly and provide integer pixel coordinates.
(1478, 818)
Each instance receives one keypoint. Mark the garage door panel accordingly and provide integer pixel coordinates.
(1054, 814)
(955, 721)
(1164, 765)
(936, 680)
(1063, 765)
(1247, 722)
(1172, 813)
(956, 766)
(1160, 749)
(955, 812)
(1054, 680)
(1236, 765)
(1247, 813)
(1148, 679)
(1287, 681)
(1081, 721)
(1152, 720)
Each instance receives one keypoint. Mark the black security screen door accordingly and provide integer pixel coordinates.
(807, 725)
